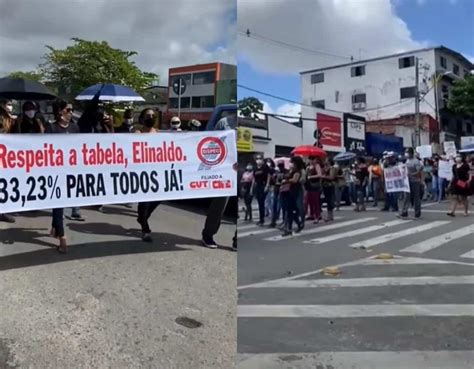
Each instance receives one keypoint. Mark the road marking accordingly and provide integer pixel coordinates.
(437, 241)
(422, 211)
(320, 229)
(359, 360)
(392, 236)
(245, 226)
(400, 260)
(356, 232)
(353, 311)
(372, 282)
(469, 255)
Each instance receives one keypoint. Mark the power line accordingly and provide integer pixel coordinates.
(311, 106)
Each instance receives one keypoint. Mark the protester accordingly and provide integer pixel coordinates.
(340, 184)
(391, 198)
(361, 181)
(175, 124)
(375, 180)
(194, 125)
(280, 172)
(313, 189)
(27, 121)
(6, 124)
(459, 186)
(269, 197)
(261, 185)
(349, 176)
(328, 183)
(127, 124)
(246, 188)
(293, 179)
(62, 125)
(415, 169)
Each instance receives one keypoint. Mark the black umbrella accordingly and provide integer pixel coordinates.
(24, 89)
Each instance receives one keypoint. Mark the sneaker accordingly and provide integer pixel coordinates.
(209, 242)
(402, 215)
(260, 224)
(451, 214)
(287, 233)
(147, 237)
(77, 217)
(7, 218)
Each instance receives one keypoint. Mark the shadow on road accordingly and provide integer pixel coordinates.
(162, 242)
(104, 229)
(24, 235)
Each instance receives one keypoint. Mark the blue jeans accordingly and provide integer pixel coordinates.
(352, 193)
(58, 222)
(375, 190)
(294, 213)
(301, 211)
(276, 207)
(269, 203)
(441, 188)
(391, 201)
(284, 198)
(260, 194)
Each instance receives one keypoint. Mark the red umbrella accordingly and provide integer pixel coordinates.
(309, 150)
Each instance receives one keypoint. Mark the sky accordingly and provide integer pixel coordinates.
(165, 33)
(340, 28)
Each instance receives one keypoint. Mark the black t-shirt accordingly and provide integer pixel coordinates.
(57, 128)
(261, 175)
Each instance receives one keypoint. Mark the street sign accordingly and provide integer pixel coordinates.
(179, 86)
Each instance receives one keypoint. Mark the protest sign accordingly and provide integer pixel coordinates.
(450, 148)
(424, 151)
(445, 169)
(396, 179)
(59, 171)
(467, 141)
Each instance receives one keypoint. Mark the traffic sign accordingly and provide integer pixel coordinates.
(176, 86)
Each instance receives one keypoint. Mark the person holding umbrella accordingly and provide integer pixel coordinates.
(6, 124)
(28, 122)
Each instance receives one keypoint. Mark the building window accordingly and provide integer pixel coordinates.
(319, 104)
(359, 99)
(358, 71)
(407, 92)
(199, 102)
(204, 78)
(443, 62)
(185, 103)
(186, 77)
(406, 62)
(456, 69)
(317, 78)
(196, 103)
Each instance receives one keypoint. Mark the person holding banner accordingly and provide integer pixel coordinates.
(415, 173)
(459, 186)
(6, 125)
(62, 125)
(391, 198)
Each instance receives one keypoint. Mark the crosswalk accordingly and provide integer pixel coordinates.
(378, 313)
(370, 232)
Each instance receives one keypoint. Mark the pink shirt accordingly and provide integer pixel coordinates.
(247, 177)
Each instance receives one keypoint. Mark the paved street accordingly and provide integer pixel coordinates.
(410, 311)
(114, 301)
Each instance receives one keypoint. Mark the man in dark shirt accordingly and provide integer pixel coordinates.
(362, 178)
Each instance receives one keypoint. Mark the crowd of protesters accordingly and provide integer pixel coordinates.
(293, 194)
(96, 118)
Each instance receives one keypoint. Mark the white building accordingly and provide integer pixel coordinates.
(384, 88)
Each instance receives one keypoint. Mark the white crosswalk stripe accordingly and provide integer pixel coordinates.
(468, 255)
(392, 236)
(356, 232)
(437, 241)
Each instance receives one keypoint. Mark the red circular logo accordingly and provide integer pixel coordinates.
(212, 151)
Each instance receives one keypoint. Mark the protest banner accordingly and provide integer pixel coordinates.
(425, 151)
(59, 171)
(450, 148)
(396, 179)
(445, 169)
(467, 141)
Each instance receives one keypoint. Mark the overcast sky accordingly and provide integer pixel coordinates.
(165, 33)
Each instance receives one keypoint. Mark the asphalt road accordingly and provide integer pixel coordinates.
(114, 301)
(415, 310)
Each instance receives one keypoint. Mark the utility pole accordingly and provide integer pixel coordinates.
(417, 104)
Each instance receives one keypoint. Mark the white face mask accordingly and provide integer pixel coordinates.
(458, 160)
(9, 108)
(259, 162)
(30, 113)
(249, 169)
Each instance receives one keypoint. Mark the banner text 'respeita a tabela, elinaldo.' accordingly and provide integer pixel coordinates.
(60, 171)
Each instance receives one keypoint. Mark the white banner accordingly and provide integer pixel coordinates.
(60, 171)
(356, 129)
(466, 141)
(450, 148)
(425, 151)
(396, 179)
(445, 169)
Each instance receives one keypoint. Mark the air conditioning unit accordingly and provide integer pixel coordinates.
(358, 106)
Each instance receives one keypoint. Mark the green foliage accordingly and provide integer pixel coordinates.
(34, 76)
(250, 106)
(86, 63)
(462, 96)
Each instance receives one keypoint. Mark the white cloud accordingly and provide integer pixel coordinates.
(165, 33)
(364, 28)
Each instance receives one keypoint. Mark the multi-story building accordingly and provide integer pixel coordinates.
(383, 89)
(207, 85)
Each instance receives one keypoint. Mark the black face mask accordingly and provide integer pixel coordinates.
(149, 122)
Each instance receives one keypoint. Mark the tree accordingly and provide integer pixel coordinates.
(250, 107)
(462, 96)
(86, 63)
(34, 76)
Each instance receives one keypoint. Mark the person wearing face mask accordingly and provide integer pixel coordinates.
(27, 122)
(280, 172)
(6, 125)
(459, 186)
(175, 124)
(313, 189)
(246, 187)
(127, 125)
(261, 185)
(269, 197)
(293, 182)
(415, 172)
(194, 125)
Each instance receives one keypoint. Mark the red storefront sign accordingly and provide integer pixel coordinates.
(330, 130)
